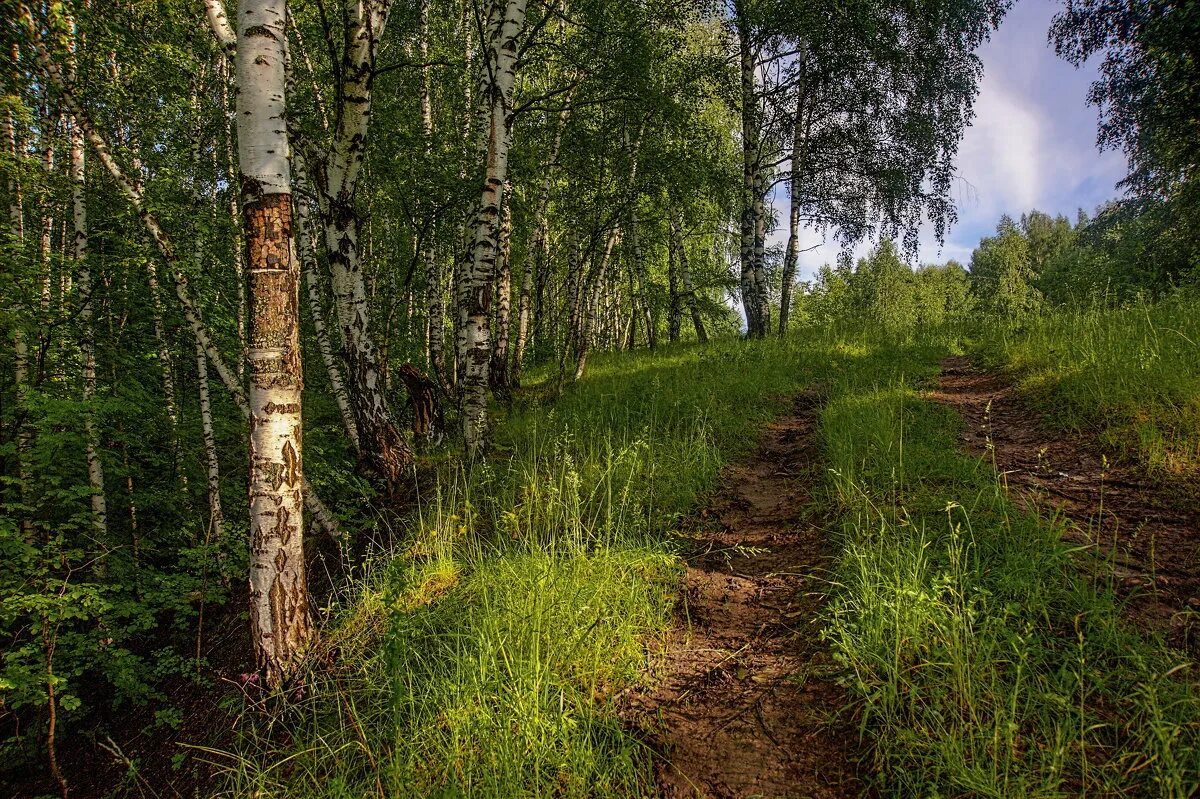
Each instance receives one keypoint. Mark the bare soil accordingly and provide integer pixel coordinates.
(1141, 529)
(745, 704)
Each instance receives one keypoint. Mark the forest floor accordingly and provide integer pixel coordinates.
(1150, 541)
(744, 704)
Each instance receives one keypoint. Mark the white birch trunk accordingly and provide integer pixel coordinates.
(751, 211)
(279, 613)
(435, 298)
(498, 373)
(216, 517)
(308, 258)
(95, 468)
(507, 19)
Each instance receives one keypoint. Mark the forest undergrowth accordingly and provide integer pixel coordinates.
(485, 655)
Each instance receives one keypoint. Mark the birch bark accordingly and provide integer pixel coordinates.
(506, 24)
(751, 213)
(435, 298)
(498, 374)
(79, 248)
(335, 174)
(279, 614)
(216, 517)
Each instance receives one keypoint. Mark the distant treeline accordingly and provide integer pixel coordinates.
(1128, 251)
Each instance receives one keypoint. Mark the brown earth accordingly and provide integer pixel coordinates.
(745, 705)
(1151, 542)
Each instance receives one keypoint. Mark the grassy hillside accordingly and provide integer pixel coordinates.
(1129, 375)
(482, 657)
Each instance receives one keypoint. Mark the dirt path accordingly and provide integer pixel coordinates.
(745, 707)
(1157, 555)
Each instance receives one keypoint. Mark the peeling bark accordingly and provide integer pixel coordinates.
(280, 622)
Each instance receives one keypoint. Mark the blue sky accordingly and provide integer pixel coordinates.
(1032, 143)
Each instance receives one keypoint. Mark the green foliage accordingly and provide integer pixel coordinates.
(884, 297)
(1002, 272)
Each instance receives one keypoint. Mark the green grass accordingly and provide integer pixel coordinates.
(1129, 375)
(984, 662)
(482, 655)
(481, 658)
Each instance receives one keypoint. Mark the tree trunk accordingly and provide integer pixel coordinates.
(95, 468)
(435, 298)
(382, 445)
(675, 308)
(498, 370)
(792, 254)
(279, 614)
(760, 251)
(685, 273)
(506, 20)
(216, 518)
(235, 214)
(751, 210)
(308, 258)
(335, 175)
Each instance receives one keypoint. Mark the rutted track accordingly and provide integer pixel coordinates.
(1156, 559)
(744, 706)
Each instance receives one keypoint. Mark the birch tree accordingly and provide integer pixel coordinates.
(504, 26)
(279, 614)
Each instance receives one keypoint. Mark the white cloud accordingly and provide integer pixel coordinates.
(1001, 153)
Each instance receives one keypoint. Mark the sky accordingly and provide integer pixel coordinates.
(1032, 144)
